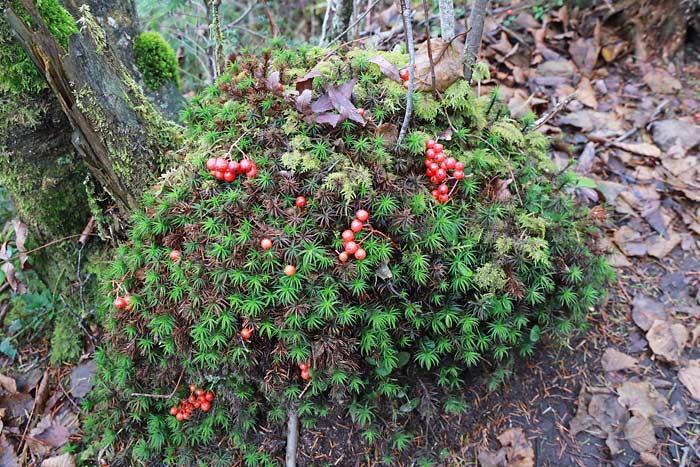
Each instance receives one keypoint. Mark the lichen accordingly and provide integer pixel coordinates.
(156, 60)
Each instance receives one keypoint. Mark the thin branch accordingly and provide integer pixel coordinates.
(557, 108)
(473, 42)
(406, 13)
(359, 18)
(273, 26)
(240, 18)
(324, 27)
(292, 437)
(430, 49)
(162, 396)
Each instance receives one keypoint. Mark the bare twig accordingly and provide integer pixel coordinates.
(473, 42)
(359, 18)
(273, 26)
(406, 13)
(430, 49)
(236, 21)
(292, 437)
(324, 27)
(557, 108)
(162, 396)
(46, 245)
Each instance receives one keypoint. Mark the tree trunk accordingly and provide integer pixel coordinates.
(120, 135)
(341, 18)
(447, 19)
(473, 41)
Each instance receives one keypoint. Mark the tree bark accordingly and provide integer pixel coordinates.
(473, 41)
(119, 134)
(341, 18)
(447, 19)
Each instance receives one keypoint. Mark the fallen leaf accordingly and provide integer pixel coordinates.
(646, 310)
(387, 68)
(303, 101)
(307, 81)
(389, 134)
(659, 246)
(81, 378)
(8, 457)
(641, 398)
(516, 451)
(447, 58)
(667, 340)
(667, 133)
(273, 82)
(690, 377)
(15, 282)
(630, 241)
(649, 459)
(584, 52)
(48, 434)
(585, 94)
(639, 432)
(66, 460)
(662, 82)
(42, 393)
(21, 232)
(643, 149)
(337, 98)
(614, 360)
(8, 384)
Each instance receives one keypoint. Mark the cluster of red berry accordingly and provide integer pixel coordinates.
(404, 76)
(224, 169)
(437, 165)
(304, 367)
(199, 399)
(121, 303)
(348, 236)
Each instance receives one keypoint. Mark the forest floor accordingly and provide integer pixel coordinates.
(627, 392)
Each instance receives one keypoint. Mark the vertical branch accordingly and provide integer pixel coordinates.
(273, 26)
(473, 41)
(292, 438)
(430, 48)
(447, 19)
(217, 35)
(341, 18)
(326, 18)
(408, 27)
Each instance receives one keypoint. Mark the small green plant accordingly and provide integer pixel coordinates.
(338, 273)
(156, 60)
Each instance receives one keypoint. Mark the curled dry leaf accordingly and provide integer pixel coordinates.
(389, 134)
(447, 58)
(387, 68)
(614, 360)
(667, 340)
(639, 432)
(516, 451)
(690, 377)
(65, 460)
(8, 384)
(646, 310)
(306, 82)
(273, 82)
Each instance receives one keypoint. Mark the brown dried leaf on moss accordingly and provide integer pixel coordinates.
(447, 58)
(337, 98)
(306, 82)
(387, 68)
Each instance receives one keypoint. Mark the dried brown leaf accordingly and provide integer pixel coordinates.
(15, 282)
(641, 398)
(8, 457)
(667, 340)
(387, 68)
(8, 384)
(447, 58)
(643, 149)
(646, 310)
(65, 460)
(690, 377)
(640, 433)
(614, 360)
(306, 81)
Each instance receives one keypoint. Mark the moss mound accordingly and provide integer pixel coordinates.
(156, 60)
(507, 260)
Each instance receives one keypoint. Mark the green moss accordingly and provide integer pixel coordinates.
(66, 343)
(155, 60)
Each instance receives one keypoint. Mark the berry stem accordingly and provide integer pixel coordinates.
(162, 396)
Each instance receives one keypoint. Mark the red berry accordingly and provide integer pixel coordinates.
(403, 74)
(173, 411)
(197, 404)
(459, 165)
(280, 86)
(186, 415)
(348, 235)
(221, 164)
(290, 270)
(441, 174)
(252, 172)
(234, 167)
(300, 202)
(303, 366)
(434, 193)
(191, 399)
(430, 143)
(438, 147)
(175, 255)
(211, 163)
(305, 375)
(201, 399)
(361, 112)
(213, 173)
(343, 257)
(205, 406)
(443, 198)
(405, 84)
(356, 225)
(430, 172)
(450, 162)
(193, 387)
(430, 153)
(245, 165)
(434, 180)
(180, 416)
(119, 303)
(443, 189)
(229, 176)
(458, 174)
(362, 215)
(427, 162)
(434, 166)
(265, 243)
(439, 158)
(209, 396)
(360, 254)
(219, 175)
(509, 12)
(245, 333)
(199, 392)
(351, 248)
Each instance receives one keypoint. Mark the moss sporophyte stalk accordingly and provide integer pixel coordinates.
(341, 271)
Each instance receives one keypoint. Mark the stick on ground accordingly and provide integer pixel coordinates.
(406, 14)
